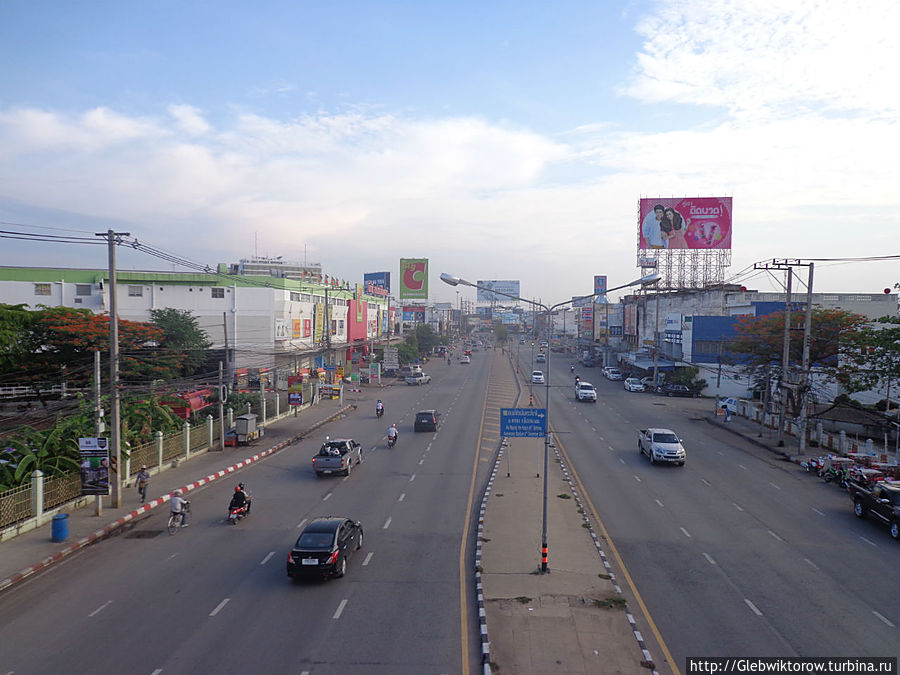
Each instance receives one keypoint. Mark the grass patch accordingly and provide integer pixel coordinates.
(524, 599)
(603, 575)
(485, 539)
(611, 603)
(580, 510)
(564, 496)
(586, 526)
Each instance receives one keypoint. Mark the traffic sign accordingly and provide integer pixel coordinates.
(523, 422)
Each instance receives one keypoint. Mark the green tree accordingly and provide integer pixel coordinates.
(182, 337)
(501, 332)
(872, 357)
(408, 350)
(426, 339)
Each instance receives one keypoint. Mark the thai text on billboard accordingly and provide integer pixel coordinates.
(377, 283)
(414, 278)
(599, 284)
(693, 223)
(487, 293)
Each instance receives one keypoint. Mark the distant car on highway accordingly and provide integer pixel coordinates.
(537, 377)
(584, 391)
(540, 358)
(427, 420)
(324, 548)
(661, 445)
(418, 378)
(465, 359)
(678, 390)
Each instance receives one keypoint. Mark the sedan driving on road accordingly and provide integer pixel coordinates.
(324, 548)
(633, 384)
(537, 377)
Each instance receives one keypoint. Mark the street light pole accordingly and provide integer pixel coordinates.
(456, 281)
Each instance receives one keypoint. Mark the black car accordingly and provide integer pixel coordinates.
(324, 547)
(427, 420)
(677, 390)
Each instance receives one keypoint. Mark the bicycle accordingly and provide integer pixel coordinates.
(173, 524)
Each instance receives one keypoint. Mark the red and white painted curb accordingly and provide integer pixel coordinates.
(106, 531)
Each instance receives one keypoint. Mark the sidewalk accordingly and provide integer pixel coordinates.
(33, 551)
(572, 619)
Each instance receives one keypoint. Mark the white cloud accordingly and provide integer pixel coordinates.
(189, 119)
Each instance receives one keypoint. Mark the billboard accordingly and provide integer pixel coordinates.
(599, 284)
(508, 287)
(377, 283)
(414, 278)
(693, 222)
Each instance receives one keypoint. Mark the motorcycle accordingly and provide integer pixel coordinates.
(235, 513)
(379, 412)
(571, 369)
(392, 440)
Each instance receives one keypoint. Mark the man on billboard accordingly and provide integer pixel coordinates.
(651, 227)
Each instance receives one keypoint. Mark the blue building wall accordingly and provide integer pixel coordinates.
(712, 329)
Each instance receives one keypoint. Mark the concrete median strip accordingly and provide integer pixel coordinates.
(113, 526)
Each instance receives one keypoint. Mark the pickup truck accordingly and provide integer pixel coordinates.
(337, 456)
(418, 378)
(661, 445)
(882, 501)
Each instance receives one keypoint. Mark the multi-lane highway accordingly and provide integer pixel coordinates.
(216, 598)
(736, 553)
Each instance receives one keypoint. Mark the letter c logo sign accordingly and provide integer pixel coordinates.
(414, 276)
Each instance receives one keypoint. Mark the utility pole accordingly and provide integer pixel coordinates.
(804, 374)
(115, 440)
(785, 357)
(99, 426)
(221, 409)
(227, 354)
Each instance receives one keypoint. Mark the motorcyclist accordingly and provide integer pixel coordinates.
(177, 506)
(577, 380)
(379, 408)
(392, 433)
(240, 498)
(572, 368)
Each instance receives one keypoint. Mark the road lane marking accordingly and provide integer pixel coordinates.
(402, 497)
(219, 607)
(637, 479)
(621, 460)
(706, 482)
(302, 522)
(340, 609)
(421, 462)
(412, 478)
(170, 557)
(155, 672)
(811, 563)
(610, 448)
(743, 467)
(686, 533)
(871, 543)
(101, 608)
(883, 619)
(428, 447)
(709, 558)
(775, 535)
(326, 497)
(368, 558)
(817, 510)
(267, 558)
(774, 486)
(753, 607)
(660, 503)
(387, 524)
(736, 506)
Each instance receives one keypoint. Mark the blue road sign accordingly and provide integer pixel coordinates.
(523, 422)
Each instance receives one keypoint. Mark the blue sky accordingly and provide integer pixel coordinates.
(499, 140)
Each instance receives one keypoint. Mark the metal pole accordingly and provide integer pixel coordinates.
(98, 419)
(221, 410)
(785, 357)
(804, 390)
(544, 552)
(656, 346)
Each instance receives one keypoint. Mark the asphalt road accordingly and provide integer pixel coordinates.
(737, 552)
(216, 598)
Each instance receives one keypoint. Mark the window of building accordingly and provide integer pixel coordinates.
(82, 289)
(295, 297)
(42, 289)
(135, 291)
(218, 292)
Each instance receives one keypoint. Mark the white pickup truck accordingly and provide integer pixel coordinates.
(661, 445)
(418, 378)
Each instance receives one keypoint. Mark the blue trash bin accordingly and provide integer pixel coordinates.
(60, 527)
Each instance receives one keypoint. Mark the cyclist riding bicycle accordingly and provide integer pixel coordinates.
(178, 507)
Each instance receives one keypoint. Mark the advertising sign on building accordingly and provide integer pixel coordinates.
(599, 284)
(282, 329)
(414, 313)
(673, 322)
(630, 320)
(413, 278)
(377, 283)
(693, 222)
(320, 322)
(94, 455)
(507, 287)
(391, 358)
(582, 301)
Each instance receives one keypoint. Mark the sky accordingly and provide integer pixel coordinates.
(500, 140)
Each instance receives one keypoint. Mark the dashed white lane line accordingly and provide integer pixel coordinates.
(660, 503)
(155, 672)
(736, 506)
(340, 609)
(402, 497)
(709, 558)
(885, 619)
(637, 478)
(686, 533)
(387, 524)
(753, 607)
(421, 462)
(368, 558)
(428, 447)
(326, 497)
(705, 482)
(869, 542)
(621, 460)
(743, 467)
(817, 511)
(775, 535)
(170, 557)
(302, 523)
(610, 448)
(219, 607)
(412, 478)
(101, 608)
(774, 486)
(811, 563)
(267, 558)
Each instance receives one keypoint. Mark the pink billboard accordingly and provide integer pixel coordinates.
(691, 222)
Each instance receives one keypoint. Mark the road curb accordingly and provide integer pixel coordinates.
(104, 532)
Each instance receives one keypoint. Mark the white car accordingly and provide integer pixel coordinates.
(585, 391)
(540, 358)
(633, 384)
(537, 377)
(613, 373)
(465, 359)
